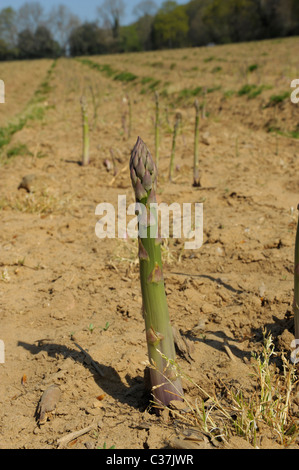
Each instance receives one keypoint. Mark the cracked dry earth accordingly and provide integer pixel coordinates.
(71, 303)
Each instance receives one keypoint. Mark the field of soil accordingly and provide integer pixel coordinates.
(70, 303)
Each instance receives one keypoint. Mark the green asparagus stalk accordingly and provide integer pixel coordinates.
(157, 129)
(130, 116)
(204, 103)
(166, 385)
(85, 156)
(196, 181)
(296, 283)
(175, 130)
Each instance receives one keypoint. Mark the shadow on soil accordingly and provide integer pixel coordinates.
(106, 377)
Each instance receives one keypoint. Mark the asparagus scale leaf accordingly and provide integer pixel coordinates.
(166, 384)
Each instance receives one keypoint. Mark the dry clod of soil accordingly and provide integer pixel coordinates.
(27, 183)
(48, 403)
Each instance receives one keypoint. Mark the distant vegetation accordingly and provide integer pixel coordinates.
(30, 33)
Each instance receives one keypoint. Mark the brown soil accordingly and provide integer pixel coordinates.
(71, 303)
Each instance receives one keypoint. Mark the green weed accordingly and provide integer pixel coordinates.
(275, 99)
(18, 150)
(252, 91)
(189, 92)
(125, 77)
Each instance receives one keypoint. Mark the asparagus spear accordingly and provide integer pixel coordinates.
(157, 124)
(85, 156)
(296, 283)
(196, 181)
(175, 130)
(166, 385)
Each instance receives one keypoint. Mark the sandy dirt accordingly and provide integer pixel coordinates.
(71, 303)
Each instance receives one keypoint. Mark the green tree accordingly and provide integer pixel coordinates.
(170, 26)
(144, 28)
(199, 33)
(129, 40)
(88, 39)
(243, 20)
(62, 21)
(26, 44)
(37, 45)
(46, 46)
(30, 16)
(111, 12)
(8, 26)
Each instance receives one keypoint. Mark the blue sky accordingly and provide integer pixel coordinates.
(85, 9)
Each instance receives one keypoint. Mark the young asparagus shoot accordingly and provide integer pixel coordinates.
(130, 116)
(127, 112)
(203, 114)
(175, 131)
(85, 156)
(196, 181)
(157, 129)
(296, 283)
(165, 383)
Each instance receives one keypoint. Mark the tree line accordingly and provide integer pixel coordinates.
(31, 33)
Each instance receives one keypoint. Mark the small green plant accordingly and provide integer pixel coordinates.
(146, 80)
(209, 59)
(252, 91)
(153, 85)
(105, 447)
(21, 262)
(276, 99)
(271, 403)
(105, 328)
(189, 93)
(246, 89)
(125, 77)
(91, 327)
(18, 150)
(248, 415)
(228, 93)
(216, 69)
(252, 67)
